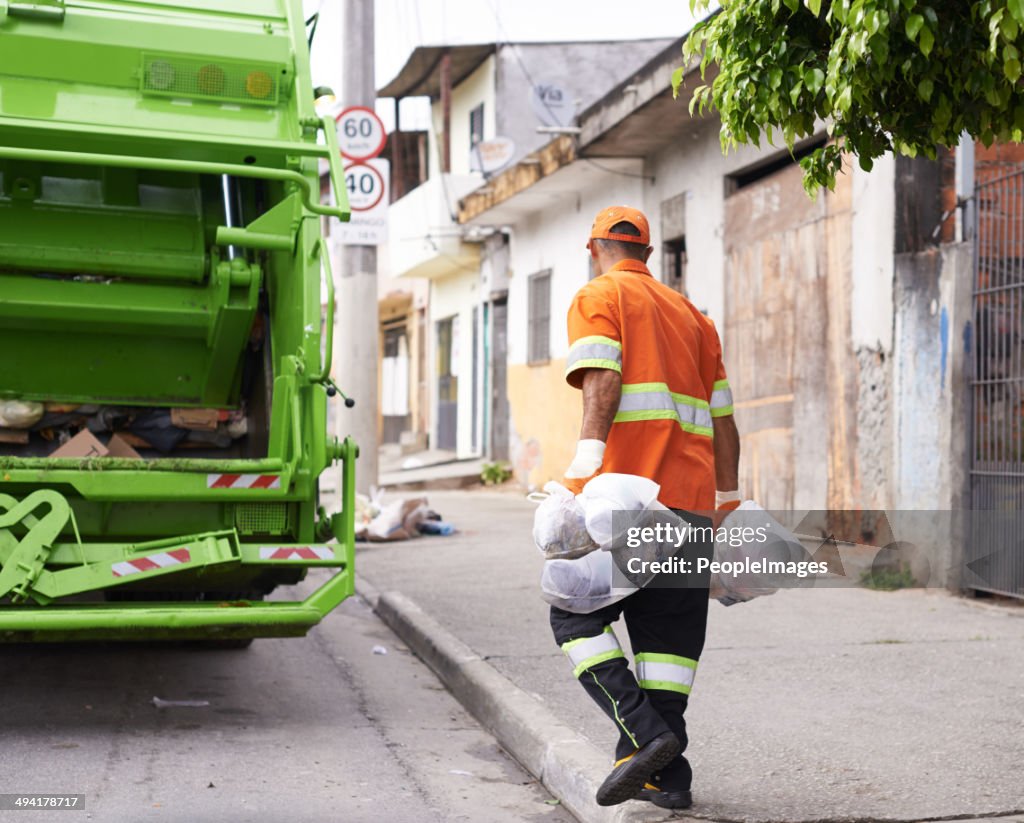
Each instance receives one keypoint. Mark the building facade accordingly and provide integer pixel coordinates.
(844, 319)
(487, 104)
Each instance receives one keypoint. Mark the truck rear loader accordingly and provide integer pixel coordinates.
(162, 279)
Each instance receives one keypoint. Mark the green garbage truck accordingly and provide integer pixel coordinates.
(166, 315)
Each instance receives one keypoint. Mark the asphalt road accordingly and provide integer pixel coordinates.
(312, 729)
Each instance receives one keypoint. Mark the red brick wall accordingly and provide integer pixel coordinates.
(997, 160)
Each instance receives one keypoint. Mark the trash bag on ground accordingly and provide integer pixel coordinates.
(398, 520)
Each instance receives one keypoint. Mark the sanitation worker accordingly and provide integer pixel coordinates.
(656, 403)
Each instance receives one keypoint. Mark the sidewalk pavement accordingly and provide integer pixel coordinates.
(840, 704)
(433, 468)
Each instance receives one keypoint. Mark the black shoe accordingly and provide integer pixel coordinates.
(666, 799)
(630, 774)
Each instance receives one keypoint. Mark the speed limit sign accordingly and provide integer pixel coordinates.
(361, 133)
(365, 185)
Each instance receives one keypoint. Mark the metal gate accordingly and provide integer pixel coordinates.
(995, 551)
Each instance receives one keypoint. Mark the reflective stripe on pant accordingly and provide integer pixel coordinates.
(600, 665)
(666, 630)
(585, 652)
(669, 672)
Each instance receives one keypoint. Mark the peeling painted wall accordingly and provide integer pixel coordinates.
(874, 427)
(932, 346)
(787, 340)
(545, 420)
(933, 299)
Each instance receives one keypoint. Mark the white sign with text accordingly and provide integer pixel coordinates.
(361, 133)
(367, 185)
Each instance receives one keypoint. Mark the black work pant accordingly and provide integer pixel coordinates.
(666, 621)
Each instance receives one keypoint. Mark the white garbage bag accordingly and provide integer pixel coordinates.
(749, 538)
(610, 493)
(559, 527)
(20, 414)
(570, 529)
(567, 526)
(583, 585)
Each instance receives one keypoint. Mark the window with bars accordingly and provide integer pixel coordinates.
(476, 125)
(673, 264)
(539, 318)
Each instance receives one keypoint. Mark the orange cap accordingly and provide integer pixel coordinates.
(602, 228)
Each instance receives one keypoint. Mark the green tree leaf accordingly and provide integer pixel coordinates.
(813, 79)
(1016, 8)
(913, 25)
(927, 41)
(677, 80)
(1011, 68)
(909, 74)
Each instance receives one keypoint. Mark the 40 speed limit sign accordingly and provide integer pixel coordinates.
(366, 186)
(361, 133)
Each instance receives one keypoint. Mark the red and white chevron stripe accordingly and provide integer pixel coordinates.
(161, 560)
(296, 553)
(243, 481)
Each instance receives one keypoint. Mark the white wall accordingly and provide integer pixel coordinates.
(874, 219)
(695, 165)
(555, 238)
(476, 89)
(454, 296)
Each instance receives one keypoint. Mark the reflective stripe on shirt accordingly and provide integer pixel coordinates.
(654, 401)
(721, 399)
(594, 352)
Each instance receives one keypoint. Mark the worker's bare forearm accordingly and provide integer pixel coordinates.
(602, 389)
(727, 453)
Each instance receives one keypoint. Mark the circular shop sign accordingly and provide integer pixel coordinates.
(361, 133)
(365, 186)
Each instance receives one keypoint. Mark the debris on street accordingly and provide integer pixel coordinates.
(179, 704)
(378, 521)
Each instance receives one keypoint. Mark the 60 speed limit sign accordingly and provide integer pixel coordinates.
(365, 186)
(361, 133)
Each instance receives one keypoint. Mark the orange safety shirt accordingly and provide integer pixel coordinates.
(673, 380)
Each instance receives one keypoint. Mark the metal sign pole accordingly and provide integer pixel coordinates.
(357, 326)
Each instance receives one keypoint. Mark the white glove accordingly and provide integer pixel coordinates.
(588, 459)
(721, 498)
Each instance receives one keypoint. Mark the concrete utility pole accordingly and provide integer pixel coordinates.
(355, 338)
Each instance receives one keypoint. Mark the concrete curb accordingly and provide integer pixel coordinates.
(566, 763)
